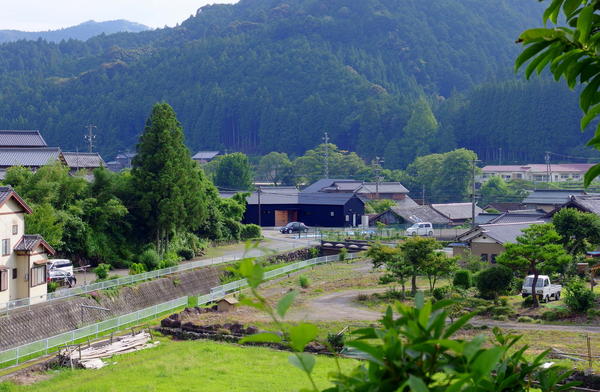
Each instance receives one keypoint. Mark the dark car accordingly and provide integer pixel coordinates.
(294, 227)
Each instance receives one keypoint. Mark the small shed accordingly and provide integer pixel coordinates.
(226, 304)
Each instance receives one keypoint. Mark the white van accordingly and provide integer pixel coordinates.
(60, 264)
(421, 228)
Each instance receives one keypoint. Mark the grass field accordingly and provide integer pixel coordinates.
(189, 366)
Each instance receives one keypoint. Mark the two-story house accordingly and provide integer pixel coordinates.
(23, 257)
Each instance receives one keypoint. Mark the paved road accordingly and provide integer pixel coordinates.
(274, 242)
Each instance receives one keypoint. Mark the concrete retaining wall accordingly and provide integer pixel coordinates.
(55, 317)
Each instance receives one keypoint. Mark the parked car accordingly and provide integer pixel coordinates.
(60, 264)
(294, 227)
(62, 277)
(421, 228)
(543, 288)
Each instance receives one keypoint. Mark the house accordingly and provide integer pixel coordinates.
(407, 215)
(278, 207)
(87, 161)
(550, 199)
(584, 203)
(21, 139)
(458, 213)
(31, 158)
(520, 216)
(122, 161)
(23, 260)
(205, 156)
(503, 206)
(367, 190)
(488, 241)
(536, 172)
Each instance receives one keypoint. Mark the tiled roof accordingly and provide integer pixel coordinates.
(589, 203)
(11, 138)
(205, 155)
(384, 187)
(520, 216)
(332, 185)
(28, 157)
(6, 192)
(30, 242)
(504, 206)
(503, 233)
(552, 196)
(419, 213)
(539, 168)
(456, 211)
(317, 198)
(84, 160)
(319, 185)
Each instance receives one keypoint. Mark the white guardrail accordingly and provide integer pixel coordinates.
(44, 346)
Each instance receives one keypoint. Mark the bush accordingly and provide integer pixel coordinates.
(250, 231)
(150, 259)
(170, 259)
(501, 310)
(500, 317)
(440, 293)
(313, 253)
(593, 313)
(304, 281)
(527, 302)
(556, 314)
(343, 254)
(101, 271)
(463, 279)
(525, 319)
(52, 286)
(186, 254)
(494, 281)
(336, 341)
(578, 297)
(136, 268)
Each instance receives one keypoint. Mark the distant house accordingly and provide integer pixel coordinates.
(488, 241)
(32, 158)
(539, 172)
(21, 139)
(368, 190)
(408, 215)
(24, 257)
(205, 156)
(458, 213)
(122, 161)
(521, 216)
(503, 206)
(584, 203)
(87, 161)
(550, 199)
(279, 207)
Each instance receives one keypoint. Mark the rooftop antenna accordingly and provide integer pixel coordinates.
(90, 137)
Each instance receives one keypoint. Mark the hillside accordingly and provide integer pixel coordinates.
(81, 32)
(265, 75)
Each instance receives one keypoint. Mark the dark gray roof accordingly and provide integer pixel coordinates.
(11, 138)
(407, 202)
(501, 232)
(384, 187)
(84, 160)
(485, 217)
(420, 214)
(504, 206)
(333, 185)
(30, 242)
(520, 216)
(589, 203)
(456, 211)
(28, 157)
(201, 155)
(317, 198)
(552, 196)
(6, 192)
(325, 183)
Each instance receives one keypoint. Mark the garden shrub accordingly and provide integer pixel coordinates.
(525, 319)
(593, 313)
(186, 253)
(304, 281)
(343, 254)
(494, 281)
(463, 279)
(501, 310)
(527, 302)
(150, 259)
(313, 253)
(578, 297)
(556, 314)
(52, 286)
(136, 268)
(101, 271)
(440, 293)
(500, 317)
(170, 259)
(250, 231)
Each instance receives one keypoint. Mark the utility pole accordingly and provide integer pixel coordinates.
(473, 193)
(377, 165)
(548, 167)
(90, 137)
(259, 208)
(423, 195)
(326, 139)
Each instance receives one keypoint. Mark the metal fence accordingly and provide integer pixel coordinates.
(220, 291)
(44, 346)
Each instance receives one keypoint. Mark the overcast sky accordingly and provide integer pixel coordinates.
(38, 15)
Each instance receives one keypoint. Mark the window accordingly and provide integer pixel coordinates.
(38, 275)
(3, 280)
(15, 229)
(519, 175)
(493, 259)
(484, 257)
(332, 213)
(14, 273)
(6, 247)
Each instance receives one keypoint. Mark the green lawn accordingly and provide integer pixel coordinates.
(190, 366)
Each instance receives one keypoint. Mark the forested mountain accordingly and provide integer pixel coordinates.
(82, 31)
(265, 75)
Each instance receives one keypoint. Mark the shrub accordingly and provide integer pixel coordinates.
(578, 297)
(593, 313)
(136, 268)
(170, 259)
(494, 281)
(440, 293)
(52, 286)
(556, 314)
(150, 259)
(250, 231)
(501, 310)
(463, 279)
(186, 254)
(101, 271)
(336, 341)
(343, 254)
(527, 302)
(525, 319)
(500, 317)
(313, 253)
(304, 281)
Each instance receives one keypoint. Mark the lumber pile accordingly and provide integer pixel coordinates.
(90, 356)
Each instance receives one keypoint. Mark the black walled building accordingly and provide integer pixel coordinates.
(313, 209)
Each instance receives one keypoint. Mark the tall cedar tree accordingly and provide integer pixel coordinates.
(168, 184)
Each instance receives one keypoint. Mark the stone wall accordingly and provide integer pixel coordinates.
(55, 317)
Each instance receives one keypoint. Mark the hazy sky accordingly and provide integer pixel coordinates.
(35, 15)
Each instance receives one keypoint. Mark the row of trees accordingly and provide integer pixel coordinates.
(165, 204)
